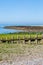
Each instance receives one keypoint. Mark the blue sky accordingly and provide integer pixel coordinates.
(21, 12)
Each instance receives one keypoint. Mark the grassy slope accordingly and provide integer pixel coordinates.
(16, 49)
(10, 51)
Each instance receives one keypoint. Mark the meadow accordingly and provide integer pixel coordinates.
(9, 50)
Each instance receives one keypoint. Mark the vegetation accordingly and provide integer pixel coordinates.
(8, 49)
(19, 35)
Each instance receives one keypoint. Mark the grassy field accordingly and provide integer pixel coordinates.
(13, 49)
(9, 50)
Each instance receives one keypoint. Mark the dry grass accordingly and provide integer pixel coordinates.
(8, 51)
(15, 49)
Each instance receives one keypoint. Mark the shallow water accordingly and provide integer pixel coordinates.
(2, 30)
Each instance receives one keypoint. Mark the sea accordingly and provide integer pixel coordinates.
(5, 31)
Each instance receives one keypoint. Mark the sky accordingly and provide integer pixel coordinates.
(21, 12)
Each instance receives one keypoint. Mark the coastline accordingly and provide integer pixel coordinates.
(33, 56)
(26, 28)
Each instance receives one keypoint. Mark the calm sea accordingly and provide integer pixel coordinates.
(2, 30)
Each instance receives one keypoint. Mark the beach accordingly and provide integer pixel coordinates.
(33, 55)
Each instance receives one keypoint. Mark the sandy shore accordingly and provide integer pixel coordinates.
(34, 57)
(23, 61)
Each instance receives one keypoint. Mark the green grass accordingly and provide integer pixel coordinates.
(19, 35)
